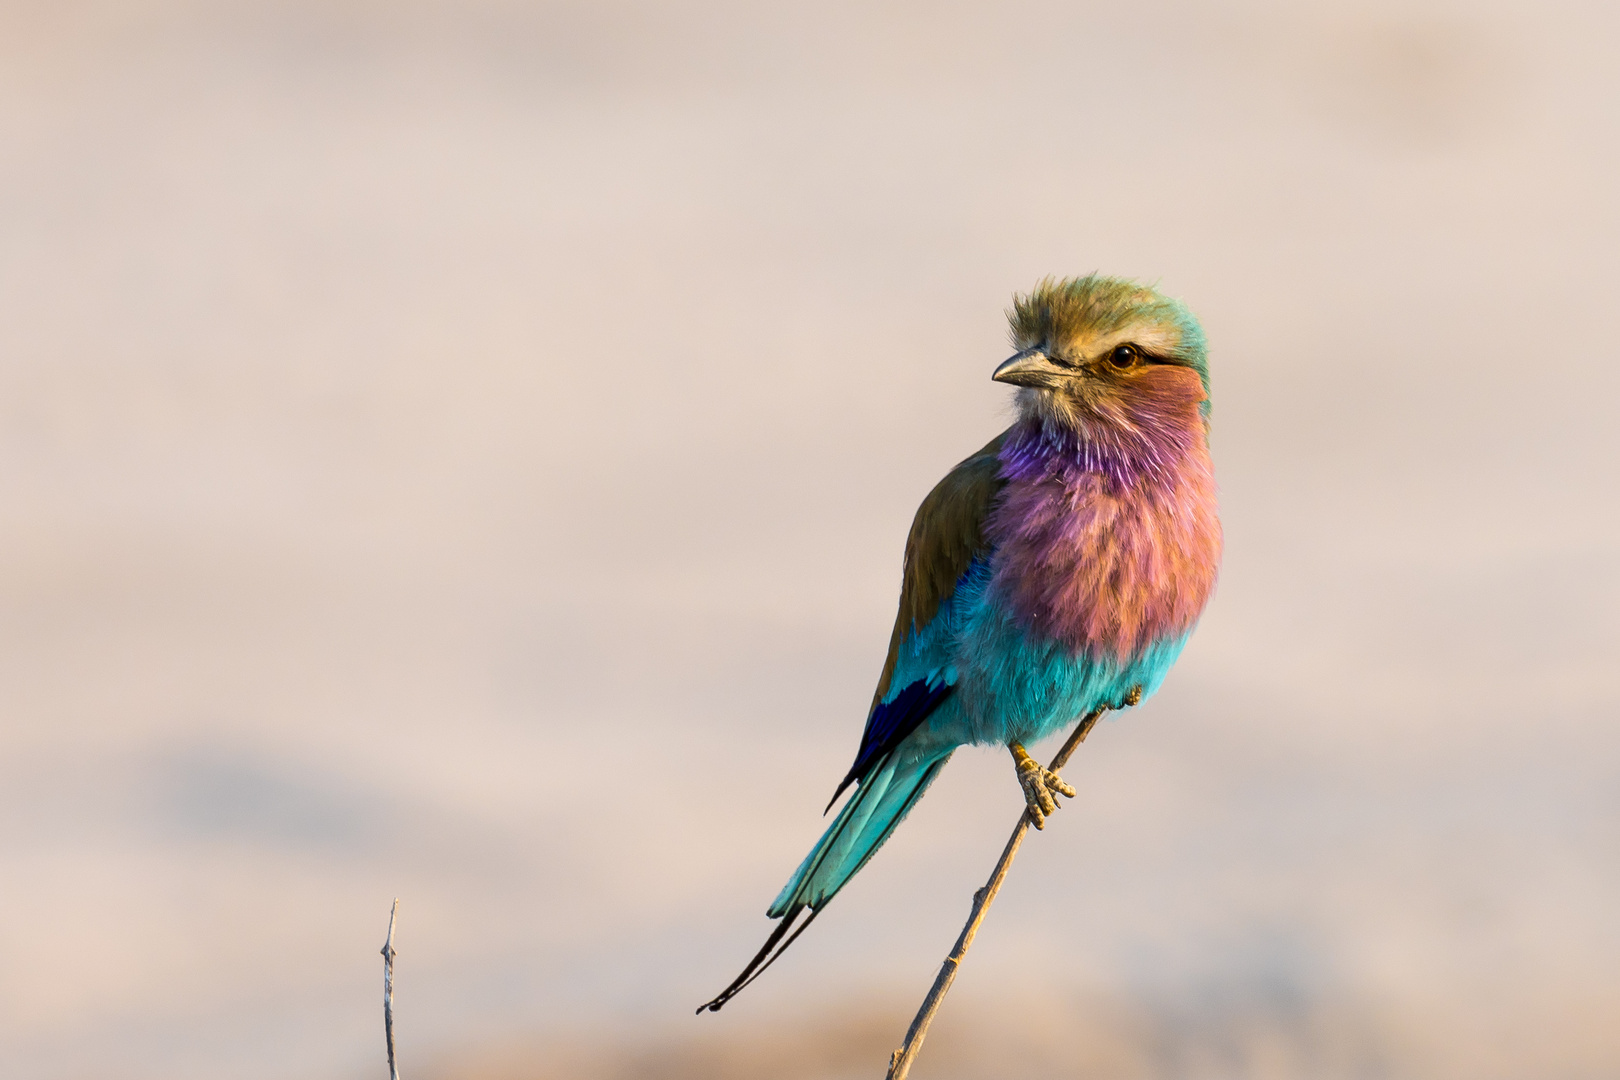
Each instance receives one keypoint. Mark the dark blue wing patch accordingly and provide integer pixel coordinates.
(890, 722)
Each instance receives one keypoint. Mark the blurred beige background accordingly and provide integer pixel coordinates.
(462, 452)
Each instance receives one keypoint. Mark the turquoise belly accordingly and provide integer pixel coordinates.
(1016, 685)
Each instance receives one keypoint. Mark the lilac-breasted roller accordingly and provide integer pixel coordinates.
(1057, 571)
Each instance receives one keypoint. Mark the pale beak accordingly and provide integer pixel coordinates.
(1031, 367)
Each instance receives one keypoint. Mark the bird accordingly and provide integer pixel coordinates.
(1059, 570)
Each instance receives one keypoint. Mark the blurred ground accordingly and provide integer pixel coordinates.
(462, 452)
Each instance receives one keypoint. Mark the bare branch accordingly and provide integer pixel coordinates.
(388, 955)
(900, 1061)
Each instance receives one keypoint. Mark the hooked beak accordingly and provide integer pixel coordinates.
(1031, 367)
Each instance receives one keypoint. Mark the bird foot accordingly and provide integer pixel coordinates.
(1041, 786)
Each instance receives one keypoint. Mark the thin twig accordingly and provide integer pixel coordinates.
(900, 1061)
(388, 955)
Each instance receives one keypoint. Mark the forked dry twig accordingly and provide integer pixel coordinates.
(388, 955)
(900, 1061)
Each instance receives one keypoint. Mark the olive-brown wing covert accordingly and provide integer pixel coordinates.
(946, 535)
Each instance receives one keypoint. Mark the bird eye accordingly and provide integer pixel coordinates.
(1125, 356)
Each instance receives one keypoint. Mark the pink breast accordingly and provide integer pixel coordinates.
(1108, 561)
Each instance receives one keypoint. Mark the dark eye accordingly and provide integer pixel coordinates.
(1125, 356)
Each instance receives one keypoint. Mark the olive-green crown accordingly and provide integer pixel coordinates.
(1058, 312)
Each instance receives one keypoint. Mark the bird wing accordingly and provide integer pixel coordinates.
(946, 536)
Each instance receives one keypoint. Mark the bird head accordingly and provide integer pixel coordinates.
(1103, 356)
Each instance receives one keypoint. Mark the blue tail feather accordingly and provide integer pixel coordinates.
(891, 780)
(880, 803)
(889, 724)
(884, 798)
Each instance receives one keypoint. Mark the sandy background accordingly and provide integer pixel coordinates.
(462, 452)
